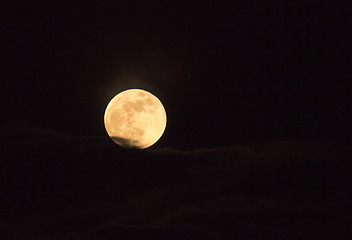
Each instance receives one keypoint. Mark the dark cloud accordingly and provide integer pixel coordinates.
(126, 143)
(57, 186)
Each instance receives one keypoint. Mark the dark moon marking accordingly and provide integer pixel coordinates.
(126, 143)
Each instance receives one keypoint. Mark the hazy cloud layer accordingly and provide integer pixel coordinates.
(56, 186)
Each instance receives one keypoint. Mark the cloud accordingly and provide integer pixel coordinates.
(57, 186)
(22, 133)
(273, 149)
(126, 143)
(287, 147)
(240, 150)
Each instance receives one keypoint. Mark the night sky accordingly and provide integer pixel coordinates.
(258, 136)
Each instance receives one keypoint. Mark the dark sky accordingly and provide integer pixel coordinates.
(225, 73)
(257, 143)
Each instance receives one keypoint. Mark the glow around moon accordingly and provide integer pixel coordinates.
(135, 118)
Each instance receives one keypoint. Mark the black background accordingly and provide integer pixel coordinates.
(251, 79)
(226, 73)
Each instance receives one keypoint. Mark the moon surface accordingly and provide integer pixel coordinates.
(135, 118)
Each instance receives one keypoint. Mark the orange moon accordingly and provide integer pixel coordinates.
(135, 118)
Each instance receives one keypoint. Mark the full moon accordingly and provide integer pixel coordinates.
(135, 118)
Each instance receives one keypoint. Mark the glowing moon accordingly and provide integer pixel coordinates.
(135, 118)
